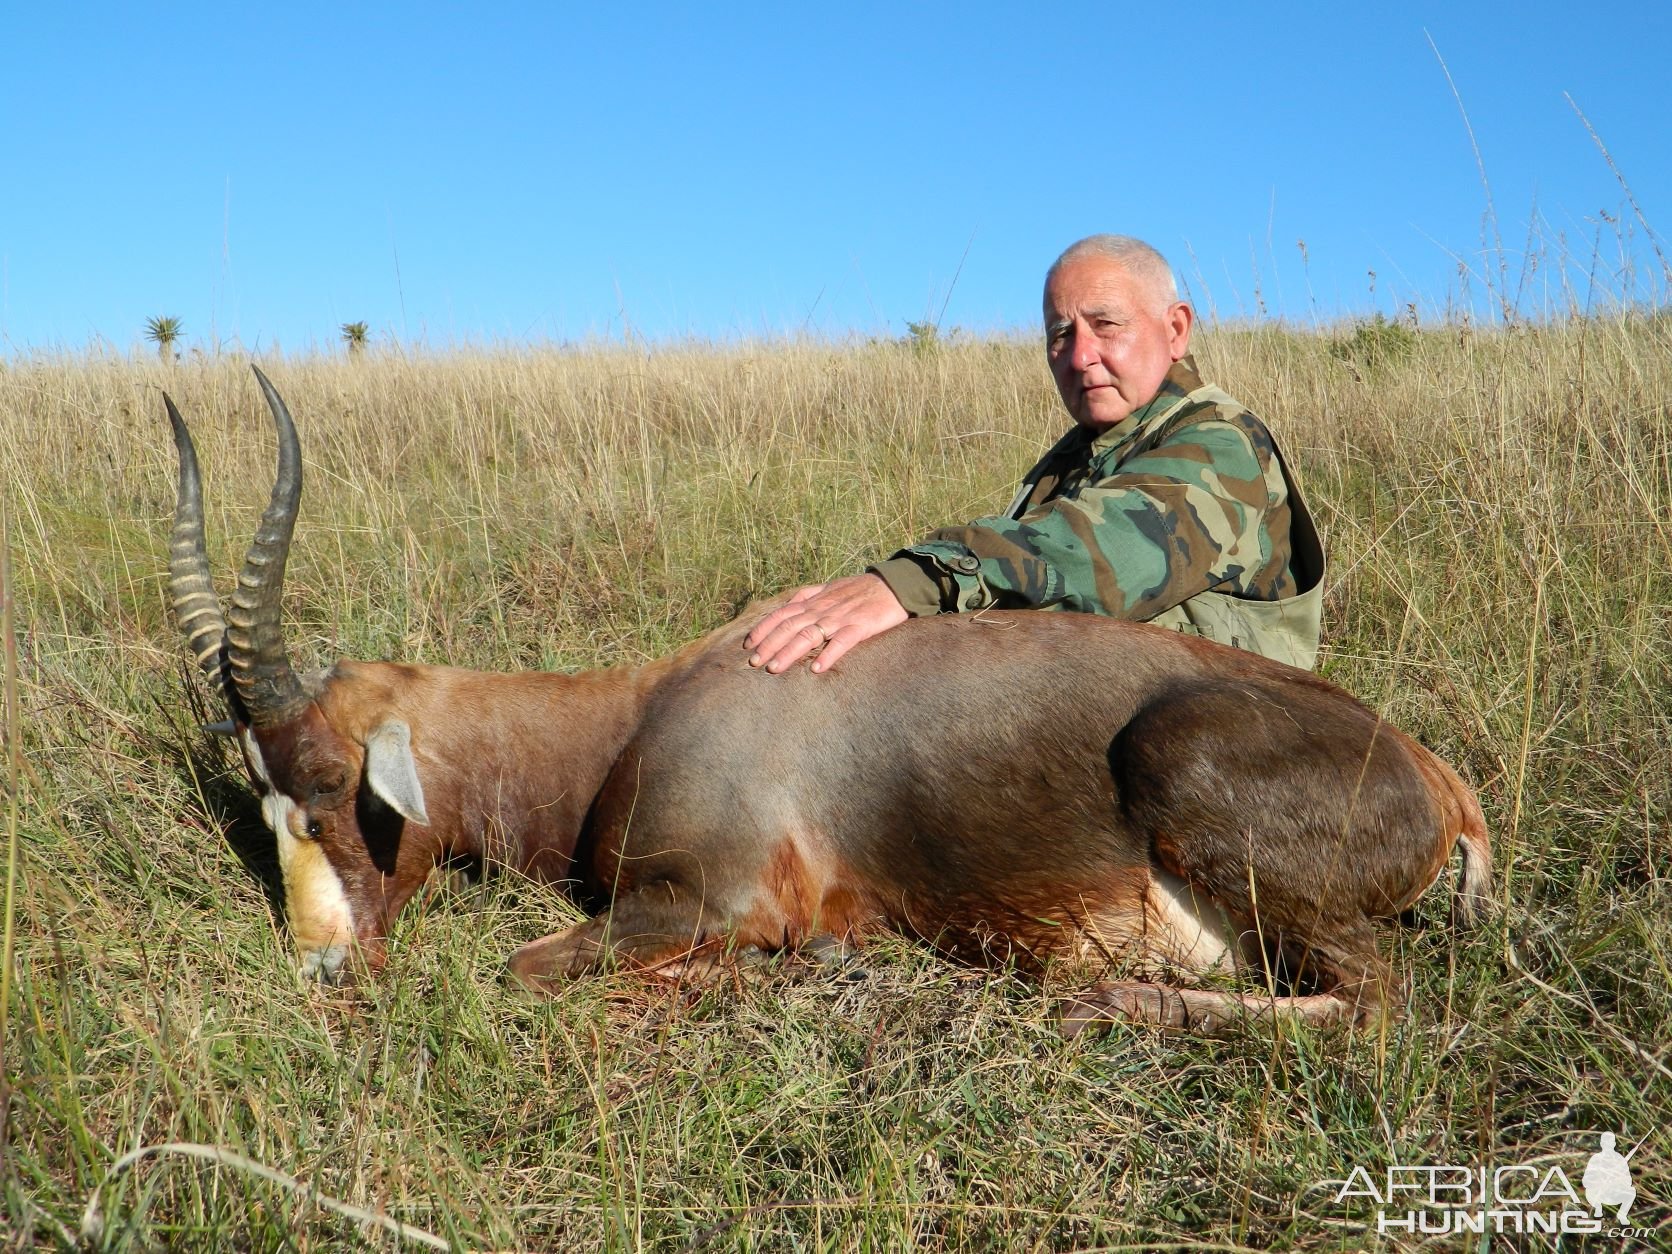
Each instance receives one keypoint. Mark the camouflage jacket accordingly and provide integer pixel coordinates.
(1183, 514)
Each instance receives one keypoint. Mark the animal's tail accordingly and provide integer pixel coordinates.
(1474, 886)
(1463, 828)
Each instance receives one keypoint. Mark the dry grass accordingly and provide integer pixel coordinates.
(1497, 509)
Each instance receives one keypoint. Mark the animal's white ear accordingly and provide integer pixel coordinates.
(391, 772)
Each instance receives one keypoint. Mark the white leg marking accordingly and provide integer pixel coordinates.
(1188, 928)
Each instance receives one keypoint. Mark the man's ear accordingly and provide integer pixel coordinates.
(1178, 319)
(392, 774)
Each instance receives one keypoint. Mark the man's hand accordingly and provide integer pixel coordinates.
(836, 615)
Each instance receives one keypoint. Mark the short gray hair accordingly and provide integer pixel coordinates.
(1134, 256)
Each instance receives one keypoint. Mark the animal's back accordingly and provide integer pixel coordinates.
(1022, 786)
(989, 770)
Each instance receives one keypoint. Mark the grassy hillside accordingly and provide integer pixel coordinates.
(1498, 510)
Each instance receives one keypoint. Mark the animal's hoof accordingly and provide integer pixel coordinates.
(825, 950)
(542, 966)
(836, 956)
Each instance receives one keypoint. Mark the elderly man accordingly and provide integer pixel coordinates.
(1167, 502)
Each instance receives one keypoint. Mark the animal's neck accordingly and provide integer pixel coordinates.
(528, 754)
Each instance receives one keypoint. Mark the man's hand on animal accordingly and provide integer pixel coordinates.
(827, 618)
(1167, 501)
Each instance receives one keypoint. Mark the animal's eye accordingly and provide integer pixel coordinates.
(314, 829)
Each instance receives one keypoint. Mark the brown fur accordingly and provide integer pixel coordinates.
(1010, 787)
(510, 765)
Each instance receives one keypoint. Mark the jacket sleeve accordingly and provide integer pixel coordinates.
(1183, 517)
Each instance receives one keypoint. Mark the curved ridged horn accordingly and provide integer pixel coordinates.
(255, 642)
(196, 611)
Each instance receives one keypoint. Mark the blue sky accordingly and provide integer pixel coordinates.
(478, 174)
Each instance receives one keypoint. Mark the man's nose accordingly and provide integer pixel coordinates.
(1084, 353)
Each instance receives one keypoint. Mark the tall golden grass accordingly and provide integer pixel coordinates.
(1498, 511)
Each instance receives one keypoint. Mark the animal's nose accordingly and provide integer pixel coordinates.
(326, 966)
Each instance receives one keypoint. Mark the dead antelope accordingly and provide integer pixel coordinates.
(1010, 787)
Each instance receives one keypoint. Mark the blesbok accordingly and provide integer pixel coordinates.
(1012, 787)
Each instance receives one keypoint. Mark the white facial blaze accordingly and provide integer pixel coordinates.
(316, 908)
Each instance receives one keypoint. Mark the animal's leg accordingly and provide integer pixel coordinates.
(1201, 1010)
(1337, 957)
(1284, 805)
(652, 930)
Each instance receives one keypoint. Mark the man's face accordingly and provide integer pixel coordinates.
(1108, 340)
